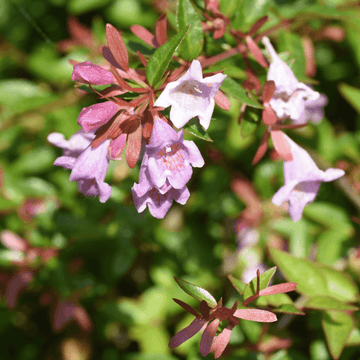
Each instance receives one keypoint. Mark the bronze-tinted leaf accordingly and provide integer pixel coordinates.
(134, 143)
(268, 91)
(260, 152)
(161, 29)
(281, 145)
(145, 35)
(117, 46)
(258, 24)
(255, 50)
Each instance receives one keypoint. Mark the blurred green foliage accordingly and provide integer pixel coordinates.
(119, 265)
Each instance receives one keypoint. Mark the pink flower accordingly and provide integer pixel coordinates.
(191, 96)
(94, 116)
(170, 157)
(291, 96)
(89, 165)
(89, 73)
(302, 181)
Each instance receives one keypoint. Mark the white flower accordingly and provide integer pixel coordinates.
(191, 96)
(291, 97)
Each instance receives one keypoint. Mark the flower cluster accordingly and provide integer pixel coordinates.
(129, 120)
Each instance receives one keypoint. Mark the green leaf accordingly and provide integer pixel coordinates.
(331, 246)
(160, 60)
(196, 291)
(292, 43)
(249, 11)
(310, 280)
(354, 338)
(337, 326)
(36, 161)
(288, 309)
(328, 303)
(340, 286)
(265, 278)
(234, 89)
(229, 7)
(237, 284)
(250, 121)
(277, 300)
(351, 94)
(196, 129)
(193, 42)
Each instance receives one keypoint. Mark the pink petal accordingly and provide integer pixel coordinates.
(89, 73)
(255, 315)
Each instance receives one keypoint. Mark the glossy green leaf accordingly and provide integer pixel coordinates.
(291, 43)
(229, 7)
(328, 303)
(234, 89)
(160, 60)
(288, 309)
(196, 129)
(265, 278)
(196, 292)
(339, 285)
(310, 281)
(351, 94)
(337, 326)
(193, 42)
(237, 284)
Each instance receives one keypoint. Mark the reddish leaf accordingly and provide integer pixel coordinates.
(161, 29)
(258, 24)
(268, 115)
(82, 318)
(79, 32)
(187, 307)
(134, 143)
(187, 333)
(204, 309)
(123, 83)
(223, 313)
(208, 336)
(145, 35)
(219, 33)
(260, 152)
(255, 315)
(220, 342)
(222, 100)
(142, 58)
(113, 90)
(117, 46)
(268, 91)
(255, 50)
(107, 54)
(281, 145)
(277, 289)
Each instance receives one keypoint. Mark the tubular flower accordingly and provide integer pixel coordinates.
(191, 96)
(89, 73)
(170, 157)
(302, 180)
(291, 97)
(89, 165)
